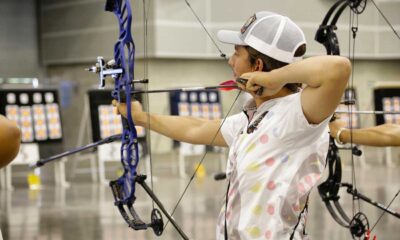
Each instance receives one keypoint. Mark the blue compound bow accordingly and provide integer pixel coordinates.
(122, 71)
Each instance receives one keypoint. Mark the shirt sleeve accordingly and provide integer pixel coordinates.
(231, 126)
(296, 128)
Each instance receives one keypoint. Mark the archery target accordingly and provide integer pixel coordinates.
(39, 120)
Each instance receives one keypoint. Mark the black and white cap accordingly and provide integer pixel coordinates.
(269, 33)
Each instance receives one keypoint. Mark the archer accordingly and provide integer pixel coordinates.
(278, 144)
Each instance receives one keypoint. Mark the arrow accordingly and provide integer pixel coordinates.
(224, 86)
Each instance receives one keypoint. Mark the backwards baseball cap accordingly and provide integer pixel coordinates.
(269, 33)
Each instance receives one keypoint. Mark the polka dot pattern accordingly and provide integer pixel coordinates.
(253, 167)
(268, 234)
(301, 188)
(254, 232)
(231, 192)
(271, 185)
(256, 187)
(296, 207)
(251, 147)
(270, 209)
(269, 162)
(264, 139)
(257, 210)
(267, 195)
(309, 180)
(275, 132)
(284, 158)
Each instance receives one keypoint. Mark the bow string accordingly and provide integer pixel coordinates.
(203, 157)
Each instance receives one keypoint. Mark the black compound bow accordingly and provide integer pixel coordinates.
(329, 190)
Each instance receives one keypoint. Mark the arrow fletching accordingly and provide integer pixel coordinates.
(228, 85)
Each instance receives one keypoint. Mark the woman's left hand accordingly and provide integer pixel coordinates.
(335, 126)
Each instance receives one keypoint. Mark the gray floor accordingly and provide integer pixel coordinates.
(86, 211)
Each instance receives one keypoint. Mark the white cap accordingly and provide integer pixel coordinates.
(269, 33)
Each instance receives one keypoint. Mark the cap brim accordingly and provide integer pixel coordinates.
(231, 37)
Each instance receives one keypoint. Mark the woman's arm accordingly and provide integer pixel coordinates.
(326, 78)
(10, 137)
(184, 129)
(379, 136)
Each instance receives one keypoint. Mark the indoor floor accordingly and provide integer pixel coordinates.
(85, 211)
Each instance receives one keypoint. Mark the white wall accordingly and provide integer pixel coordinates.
(68, 36)
(183, 55)
(19, 53)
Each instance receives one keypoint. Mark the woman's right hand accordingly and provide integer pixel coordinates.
(138, 116)
(261, 80)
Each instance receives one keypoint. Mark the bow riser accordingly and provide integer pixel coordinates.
(124, 53)
(123, 188)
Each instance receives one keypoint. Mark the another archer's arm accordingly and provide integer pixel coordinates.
(10, 137)
(379, 136)
(184, 129)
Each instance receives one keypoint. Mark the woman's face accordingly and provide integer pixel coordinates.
(239, 61)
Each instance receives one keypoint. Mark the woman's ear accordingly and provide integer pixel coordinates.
(259, 65)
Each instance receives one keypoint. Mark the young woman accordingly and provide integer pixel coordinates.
(278, 144)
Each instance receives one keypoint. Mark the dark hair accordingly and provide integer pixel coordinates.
(270, 64)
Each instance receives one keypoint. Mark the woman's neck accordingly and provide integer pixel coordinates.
(282, 93)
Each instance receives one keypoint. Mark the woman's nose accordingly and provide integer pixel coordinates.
(230, 61)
